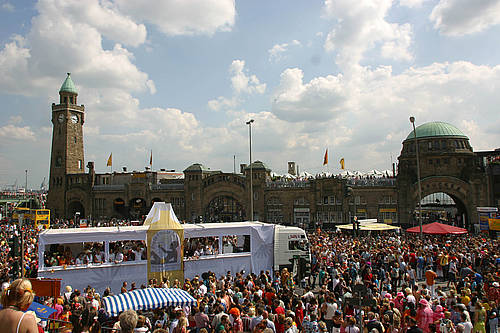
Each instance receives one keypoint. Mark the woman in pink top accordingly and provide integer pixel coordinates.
(425, 315)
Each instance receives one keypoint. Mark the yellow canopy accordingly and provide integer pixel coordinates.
(369, 226)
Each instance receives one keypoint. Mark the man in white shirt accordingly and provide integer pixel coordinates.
(118, 257)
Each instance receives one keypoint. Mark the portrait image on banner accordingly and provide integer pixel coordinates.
(165, 251)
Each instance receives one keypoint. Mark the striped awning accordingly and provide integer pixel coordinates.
(147, 299)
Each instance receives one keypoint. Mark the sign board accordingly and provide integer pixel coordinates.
(494, 224)
(486, 213)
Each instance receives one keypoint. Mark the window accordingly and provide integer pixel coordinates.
(197, 247)
(430, 161)
(325, 200)
(80, 164)
(301, 202)
(235, 244)
(300, 245)
(58, 161)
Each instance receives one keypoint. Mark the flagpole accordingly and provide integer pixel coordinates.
(151, 160)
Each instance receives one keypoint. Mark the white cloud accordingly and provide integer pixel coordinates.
(185, 17)
(361, 26)
(462, 17)
(101, 15)
(7, 6)
(15, 120)
(222, 103)
(276, 53)
(13, 133)
(411, 3)
(31, 65)
(365, 118)
(320, 99)
(242, 82)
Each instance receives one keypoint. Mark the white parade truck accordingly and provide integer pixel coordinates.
(108, 256)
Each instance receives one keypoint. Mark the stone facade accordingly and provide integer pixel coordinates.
(448, 164)
(67, 155)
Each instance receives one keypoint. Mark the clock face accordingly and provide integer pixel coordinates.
(74, 118)
(61, 118)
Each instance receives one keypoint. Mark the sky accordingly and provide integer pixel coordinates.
(181, 78)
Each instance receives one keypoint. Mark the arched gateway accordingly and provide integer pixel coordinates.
(447, 165)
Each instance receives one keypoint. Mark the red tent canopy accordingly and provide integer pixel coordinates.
(437, 228)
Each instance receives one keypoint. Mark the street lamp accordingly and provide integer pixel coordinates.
(249, 123)
(412, 121)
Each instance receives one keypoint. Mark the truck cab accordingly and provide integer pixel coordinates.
(291, 250)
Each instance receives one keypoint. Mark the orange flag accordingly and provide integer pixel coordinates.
(110, 160)
(325, 160)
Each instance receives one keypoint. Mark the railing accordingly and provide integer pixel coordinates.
(157, 187)
(294, 183)
(120, 187)
(372, 182)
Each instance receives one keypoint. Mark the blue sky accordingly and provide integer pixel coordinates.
(181, 79)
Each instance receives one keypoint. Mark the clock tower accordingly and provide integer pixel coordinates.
(67, 145)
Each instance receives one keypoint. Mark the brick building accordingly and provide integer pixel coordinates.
(448, 164)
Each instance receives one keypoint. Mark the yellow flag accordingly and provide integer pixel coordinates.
(342, 163)
(110, 160)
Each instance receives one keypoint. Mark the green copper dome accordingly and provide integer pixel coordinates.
(436, 129)
(68, 85)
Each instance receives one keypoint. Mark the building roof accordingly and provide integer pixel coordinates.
(258, 165)
(68, 85)
(436, 129)
(197, 167)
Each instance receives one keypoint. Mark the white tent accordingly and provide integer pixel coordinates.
(374, 173)
(358, 173)
(387, 173)
(346, 173)
(305, 174)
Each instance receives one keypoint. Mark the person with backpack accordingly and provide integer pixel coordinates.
(445, 324)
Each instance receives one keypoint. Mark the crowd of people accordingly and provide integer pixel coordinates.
(379, 284)
(93, 253)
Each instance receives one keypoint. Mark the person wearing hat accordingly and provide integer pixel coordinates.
(425, 315)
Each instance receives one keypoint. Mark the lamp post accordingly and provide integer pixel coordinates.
(249, 123)
(412, 121)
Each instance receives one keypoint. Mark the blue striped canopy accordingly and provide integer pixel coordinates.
(147, 299)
